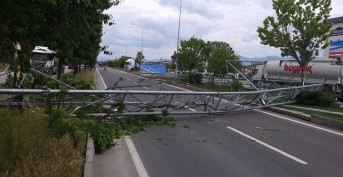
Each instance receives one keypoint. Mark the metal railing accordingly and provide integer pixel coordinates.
(133, 102)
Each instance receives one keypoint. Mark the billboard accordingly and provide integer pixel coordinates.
(335, 42)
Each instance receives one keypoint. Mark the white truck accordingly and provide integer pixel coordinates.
(44, 60)
(129, 64)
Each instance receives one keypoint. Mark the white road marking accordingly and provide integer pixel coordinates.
(190, 109)
(302, 123)
(145, 87)
(134, 154)
(135, 157)
(102, 79)
(178, 87)
(223, 100)
(269, 146)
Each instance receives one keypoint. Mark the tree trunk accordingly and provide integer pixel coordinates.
(59, 68)
(75, 69)
(212, 79)
(302, 68)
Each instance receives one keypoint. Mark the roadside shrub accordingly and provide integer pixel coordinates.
(236, 85)
(197, 77)
(315, 98)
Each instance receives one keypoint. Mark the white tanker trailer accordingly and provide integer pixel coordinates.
(329, 72)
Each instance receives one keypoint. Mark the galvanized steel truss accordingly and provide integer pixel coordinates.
(131, 102)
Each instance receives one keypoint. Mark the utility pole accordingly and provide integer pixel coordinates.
(178, 41)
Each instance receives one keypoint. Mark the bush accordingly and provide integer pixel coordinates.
(197, 77)
(236, 85)
(315, 98)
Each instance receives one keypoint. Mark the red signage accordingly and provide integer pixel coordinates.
(296, 68)
(333, 54)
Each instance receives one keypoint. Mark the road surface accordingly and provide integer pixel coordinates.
(254, 143)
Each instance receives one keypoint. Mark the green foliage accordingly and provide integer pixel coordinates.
(190, 55)
(301, 28)
(119, 63)
(103, 130)
(217, 53)
(196, 78)
(106, 131)
(73, 28)
(140, 58)
(236, 85)
(9, 81)
(315, 98)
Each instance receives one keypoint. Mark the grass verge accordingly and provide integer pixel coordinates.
(309, 112)
(28, 147)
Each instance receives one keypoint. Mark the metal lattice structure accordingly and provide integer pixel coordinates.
(131, 102)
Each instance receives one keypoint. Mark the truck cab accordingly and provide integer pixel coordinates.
(257, 73)
(44, 60)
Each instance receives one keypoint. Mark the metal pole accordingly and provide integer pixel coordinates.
(243, 76)
(178, 41)
(142, 41)
(53, 78)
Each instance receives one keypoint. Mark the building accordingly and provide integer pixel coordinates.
(336, 40)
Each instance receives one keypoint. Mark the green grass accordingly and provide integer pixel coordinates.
(330, 108)
(86, 74)
(28, 147)
(331, 116)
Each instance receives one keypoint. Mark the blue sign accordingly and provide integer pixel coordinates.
(337, 44)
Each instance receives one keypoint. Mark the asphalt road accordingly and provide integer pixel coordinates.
(251, 143)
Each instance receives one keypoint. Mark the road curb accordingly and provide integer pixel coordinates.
(316, 119)
(89, 170)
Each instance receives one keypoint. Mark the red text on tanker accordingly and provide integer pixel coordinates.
(296, 68)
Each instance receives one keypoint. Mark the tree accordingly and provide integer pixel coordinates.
(191, 55)
(140, 58)
(300, 29)
(121, 61)
(73, 28)
(217, 54)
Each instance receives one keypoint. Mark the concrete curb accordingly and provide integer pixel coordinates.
(331, 123)
(89, 170)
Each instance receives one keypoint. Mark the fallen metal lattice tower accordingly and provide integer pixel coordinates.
(131, 102)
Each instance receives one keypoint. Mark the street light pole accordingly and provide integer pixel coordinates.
(178, 41)
(142, 34)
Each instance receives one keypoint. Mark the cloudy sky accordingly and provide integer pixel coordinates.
(231, 21)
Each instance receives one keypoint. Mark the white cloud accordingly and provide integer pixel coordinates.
(232, 21)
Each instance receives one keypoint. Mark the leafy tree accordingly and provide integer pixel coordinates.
(217, 54)
(121, 61)
(73, 28)
(140, 58)
(300, 29)
(190, 55)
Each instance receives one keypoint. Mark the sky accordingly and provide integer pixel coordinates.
(231, 21)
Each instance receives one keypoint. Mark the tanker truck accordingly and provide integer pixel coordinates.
(328, 72)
